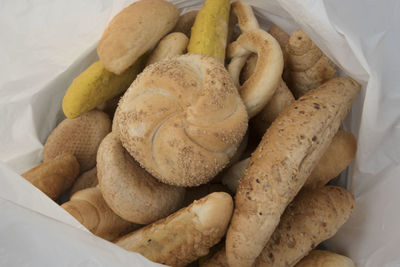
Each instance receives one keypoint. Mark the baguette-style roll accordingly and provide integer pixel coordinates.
(261, 85)
(245, 16)
(337, 157)
(195, 193)
(216, 260)
(54, 176)
(185, 235)
(133, 31)
(182, 119)
(308, 66)
(313, 216)
(85, 180)
(80, 136)
(172, 45)
(129, 190)
(90, 209)
(281, 164)
(185, 22)
(323, 258)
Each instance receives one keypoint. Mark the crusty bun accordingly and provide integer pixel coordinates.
(185, 235)
(261, 85)
(54, 176)
(129, 190)
(80, 136)
(283, 160)
(323, 258)
(90, 209)
(312, 217)
(135, 30)
(172, 45)
(182, 119)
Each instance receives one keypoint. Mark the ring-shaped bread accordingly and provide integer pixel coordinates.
(182, 119)
(129, 190)
(259, 88)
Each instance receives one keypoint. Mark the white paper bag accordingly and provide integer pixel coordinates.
(45, 44)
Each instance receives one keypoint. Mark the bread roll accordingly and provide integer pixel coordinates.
(135, 30)
(172, 45)
(195, 193)
(283, 38)
(337, 157)
(322, 258)
(54, 176)
(259, 88)
(80, 136)
(281, 164)
(312, 217)
(182, 119)
(185, 22)
(85, 180)
(90, 209)
(185, 235)
(129, 190)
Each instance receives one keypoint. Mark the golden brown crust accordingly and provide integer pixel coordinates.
(129, 190)
(337, 157)
(323, 258)
(85, 180)
(90, 209)
(312, 217)
(308, 66)
(282, 37)
(182, 119)
(172, 45)
(245, 16)
(185, 235)
(54, 176)
(185, 22)
(261, 85)
(80, 136)
(281, 164)
(133, 31)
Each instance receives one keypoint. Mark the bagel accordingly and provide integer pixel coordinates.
(80, 136)
(259, 88)
(182, 119)
(129, 190)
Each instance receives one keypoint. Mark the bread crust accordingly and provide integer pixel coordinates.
(129, 190)
(281, 164)
(185, 235)
(182, 119)
(323, 258)
(172, 45)
(135, 30)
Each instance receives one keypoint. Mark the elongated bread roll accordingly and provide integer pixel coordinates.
(182, 119)
(54, 176)
(337, 157)
(281, 164)
(90, 209)
(135, 30)
(129, 190)
(80, 136)
(322, 258)
(312, 217)
(185, 235)
(282, 37)
(85, 180)
(259, 88)
(195, 193)
(172, 45)
(185, 22)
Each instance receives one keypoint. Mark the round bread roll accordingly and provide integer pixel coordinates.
(182, 119)
(80, 136)
(259, 88)
(129, 190)
(134, 31)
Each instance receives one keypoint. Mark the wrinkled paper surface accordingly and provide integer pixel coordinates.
(45, 44)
